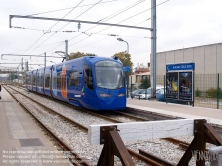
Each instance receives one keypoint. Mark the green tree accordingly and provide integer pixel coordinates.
(79, 55)
(145, 83)
(125, 58)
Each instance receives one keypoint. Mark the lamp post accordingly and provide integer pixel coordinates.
(127, 91)
(120, 39)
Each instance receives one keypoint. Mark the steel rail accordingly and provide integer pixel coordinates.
(155, 158)
(131, 116)
(183, 145)
(148, 114)
(133, 153)
(146, 158)
(134, 111)
(57, 139)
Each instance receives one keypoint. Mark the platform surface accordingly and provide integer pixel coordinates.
(184, 111)
(22, 142)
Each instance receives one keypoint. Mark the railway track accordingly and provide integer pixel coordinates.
(75, 159)
(135, 115)
(65, 145)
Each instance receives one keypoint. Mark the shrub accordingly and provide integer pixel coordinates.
(212, 93)
(198, 93)
(145, 83)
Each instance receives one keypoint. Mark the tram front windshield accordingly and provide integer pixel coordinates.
(109, 75)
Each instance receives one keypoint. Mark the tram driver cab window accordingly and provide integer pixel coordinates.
(88, 80)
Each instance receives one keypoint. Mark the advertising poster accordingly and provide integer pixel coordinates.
(172, 85)
(185, 86)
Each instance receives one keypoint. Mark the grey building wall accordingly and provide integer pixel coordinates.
(207, 58)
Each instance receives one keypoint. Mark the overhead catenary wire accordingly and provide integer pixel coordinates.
(109, 37)
(52, 27)
(69, 23)
(106, 18)
(40, 46)
(83, 32)
(128, 18)
(68, 8)
(109, 17)
(114, 15)
(118, 23)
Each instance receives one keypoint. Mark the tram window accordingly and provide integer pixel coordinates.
(88, 80)
(54, 81)
(34, 80)
(41, 80)
(47, 78)
(73, 78)
(58, 81)
(28, 79)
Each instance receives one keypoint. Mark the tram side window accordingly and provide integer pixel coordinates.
(34, 80)
(54, 83)
(58, 81)
(88, 80)
(39, 79)
(28, 79)
(73, 78)
(47, 78)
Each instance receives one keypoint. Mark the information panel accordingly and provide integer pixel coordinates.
(172, 85)
(179, 81)
(185, 90)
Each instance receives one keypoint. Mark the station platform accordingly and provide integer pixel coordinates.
(22, 142)
(183, 111)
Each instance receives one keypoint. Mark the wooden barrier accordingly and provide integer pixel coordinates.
(113, 135)
(146, 130)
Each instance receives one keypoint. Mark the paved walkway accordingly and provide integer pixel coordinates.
(184, 111)
(22, 143)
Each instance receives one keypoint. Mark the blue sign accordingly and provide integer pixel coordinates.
(180, 66)
(126, 69)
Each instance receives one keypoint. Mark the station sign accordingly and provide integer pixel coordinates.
(126, 68)
(180, 66)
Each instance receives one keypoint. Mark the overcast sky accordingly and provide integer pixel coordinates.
(180, 24)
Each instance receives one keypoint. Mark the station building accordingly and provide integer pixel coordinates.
(207, 59)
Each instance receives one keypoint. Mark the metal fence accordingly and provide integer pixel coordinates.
(207, 90)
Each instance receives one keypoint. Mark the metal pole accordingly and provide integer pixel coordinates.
(79, 21)
(218, 90)
(127, 46)
(131, 84)
(45, 59)
(153, 48)
(164, 87)
(22, 64)
(127, 72)
(66, 41)
(127, 84)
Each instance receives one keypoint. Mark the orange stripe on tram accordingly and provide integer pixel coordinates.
(64, 88)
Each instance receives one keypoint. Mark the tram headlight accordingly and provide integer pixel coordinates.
(121, 94)
(104, 95)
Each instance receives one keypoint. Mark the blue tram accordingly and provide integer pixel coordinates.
(92, 82)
